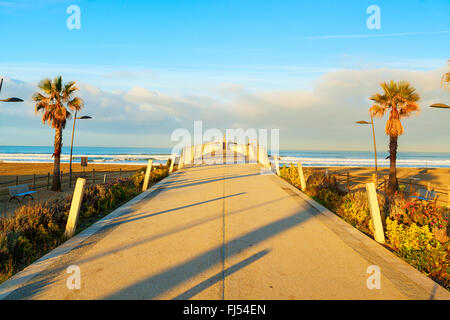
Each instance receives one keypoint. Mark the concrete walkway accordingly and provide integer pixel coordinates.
(225, 232)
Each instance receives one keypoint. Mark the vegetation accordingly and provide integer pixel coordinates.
(415, 232)
(400, 99)
(36, 229)
(53, 102)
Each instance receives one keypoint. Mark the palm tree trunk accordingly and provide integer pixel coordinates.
(393, 183)
(56, 183)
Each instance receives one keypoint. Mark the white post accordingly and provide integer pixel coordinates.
(104, 178)
(172, 163)
(301, 176)
(375, 212)
(277, 165)
(75, 208)
(147, 175)
(181, 164)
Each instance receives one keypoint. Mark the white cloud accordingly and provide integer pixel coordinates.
(323, 117)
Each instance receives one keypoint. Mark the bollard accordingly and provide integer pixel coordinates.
(147, 175)
(348, 181)
(172, 163)
(48, 180)
(75, 207)
(374, 179)
(277, 165)
(120, 172)
(93, 176)
(448, 196)
(104, 178)
(34, 182)
(301, 176)
(375, 212)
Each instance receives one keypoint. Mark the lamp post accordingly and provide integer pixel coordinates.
(9, 99)
(374, 142)
(71, 145)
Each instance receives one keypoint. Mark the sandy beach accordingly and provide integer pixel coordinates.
(9, 171)
(24, 172)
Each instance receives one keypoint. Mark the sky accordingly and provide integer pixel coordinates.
(146, 68)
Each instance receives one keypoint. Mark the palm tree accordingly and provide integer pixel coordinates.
(52, 102)
(401, 100)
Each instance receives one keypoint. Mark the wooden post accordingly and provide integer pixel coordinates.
(93, 176)
(374, 180)
(48, 180)
(410, 188)
(181, 164)
(375, 212)
(172, 163)
(147, 175)
(61, 175)
(348, 181)
(448, 196)
(120, 172)
(104, 178)
(277, 165)
(385, 184)
(301, 176)
(17, 180)
(34, 182)
(257, 153)
(75, 208)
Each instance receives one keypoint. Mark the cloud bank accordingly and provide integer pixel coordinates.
(321, 118)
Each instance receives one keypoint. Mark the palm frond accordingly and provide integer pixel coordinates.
(52, 99)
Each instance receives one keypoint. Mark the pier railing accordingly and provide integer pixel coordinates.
(220, 152)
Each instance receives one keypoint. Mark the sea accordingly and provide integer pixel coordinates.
(127, 155)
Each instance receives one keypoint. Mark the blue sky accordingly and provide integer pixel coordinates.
(210, 57)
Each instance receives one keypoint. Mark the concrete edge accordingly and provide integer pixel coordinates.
(402, 266)
(23, 277)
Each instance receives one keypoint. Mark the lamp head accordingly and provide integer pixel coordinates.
(440, 105)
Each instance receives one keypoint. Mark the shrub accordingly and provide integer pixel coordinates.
(418, 246)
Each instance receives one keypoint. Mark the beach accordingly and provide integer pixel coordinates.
(24, 172)
(9, 170)
(439, 178)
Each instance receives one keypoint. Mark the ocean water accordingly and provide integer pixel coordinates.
(124, 155)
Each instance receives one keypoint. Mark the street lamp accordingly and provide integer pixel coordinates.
(9, 99)
(71, 144)
(374, 142)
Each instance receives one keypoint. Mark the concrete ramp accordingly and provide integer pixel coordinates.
(226, 232)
